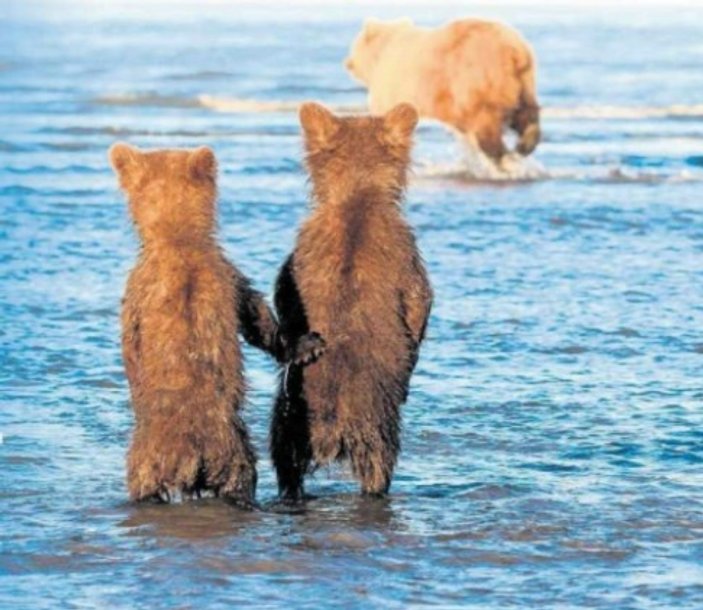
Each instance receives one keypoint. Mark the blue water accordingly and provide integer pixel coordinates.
(553, 439)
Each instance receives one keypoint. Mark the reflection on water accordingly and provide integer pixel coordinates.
(213, 519)
(553, 440)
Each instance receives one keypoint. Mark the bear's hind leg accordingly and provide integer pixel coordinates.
(240, 487)
(159, 466)
(240, 478)
(373, 467)
(373, 454)
(290, 443)
(487, 126)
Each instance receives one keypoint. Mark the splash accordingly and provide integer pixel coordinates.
(511, 167)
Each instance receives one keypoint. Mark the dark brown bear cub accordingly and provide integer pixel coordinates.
(183, 307)
(356, 276)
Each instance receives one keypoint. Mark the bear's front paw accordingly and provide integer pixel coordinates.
(309, 348)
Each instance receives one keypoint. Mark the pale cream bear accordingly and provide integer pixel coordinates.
(476, 76)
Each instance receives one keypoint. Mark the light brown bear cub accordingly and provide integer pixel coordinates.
(356, 276)
(183, 307)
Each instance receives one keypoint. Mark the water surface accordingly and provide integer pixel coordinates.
(553, 439)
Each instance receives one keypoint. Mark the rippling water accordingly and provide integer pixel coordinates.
(553, 442)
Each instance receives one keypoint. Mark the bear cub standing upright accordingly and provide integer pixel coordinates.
(183, 306)
(356, 276)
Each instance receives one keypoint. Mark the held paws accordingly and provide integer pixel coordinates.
(309, 348)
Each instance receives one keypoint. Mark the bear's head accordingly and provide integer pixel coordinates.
(368, 45)
(357, 152)
(171, 193)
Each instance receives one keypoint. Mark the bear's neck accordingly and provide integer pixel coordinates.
(360, 196)
(179, 243)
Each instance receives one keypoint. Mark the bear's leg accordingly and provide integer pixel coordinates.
(146, 488)
(155, 468)
(525, 122)
(239, 487)
(373, 455)
(290, 437)
(373, 466)
(166, 455)
(486, 126)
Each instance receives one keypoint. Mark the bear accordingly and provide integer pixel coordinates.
(475, 76)
(357, 277)
(183, 307)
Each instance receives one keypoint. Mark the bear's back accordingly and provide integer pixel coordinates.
(450, 71)
(188, 325)
(350, 274)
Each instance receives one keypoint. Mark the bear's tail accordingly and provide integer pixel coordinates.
(525, 121)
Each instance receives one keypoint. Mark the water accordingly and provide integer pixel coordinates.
(553, 441)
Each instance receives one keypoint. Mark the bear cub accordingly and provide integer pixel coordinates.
(356, 276)
(183, 307)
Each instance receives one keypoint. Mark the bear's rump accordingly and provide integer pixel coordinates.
(353, 388)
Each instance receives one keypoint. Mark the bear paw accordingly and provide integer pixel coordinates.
(310, 347)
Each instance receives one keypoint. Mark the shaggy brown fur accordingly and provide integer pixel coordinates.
(356, 276)
(183, 307)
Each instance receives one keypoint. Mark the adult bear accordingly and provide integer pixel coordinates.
(476, 76)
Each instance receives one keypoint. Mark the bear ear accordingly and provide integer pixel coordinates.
(319, 126)
(126, 160)
(372, 27)
(122, 156)
(400, 122)
(202, 164)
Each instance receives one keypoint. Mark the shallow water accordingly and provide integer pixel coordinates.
(553, 439)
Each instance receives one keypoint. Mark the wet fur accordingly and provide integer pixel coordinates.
(182, 310)
(356, 276)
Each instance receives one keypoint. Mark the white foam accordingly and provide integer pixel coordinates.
(226, 104)
(511, 167)
(518, 170)
(241, 105)
(624, 112)
(476, 165)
